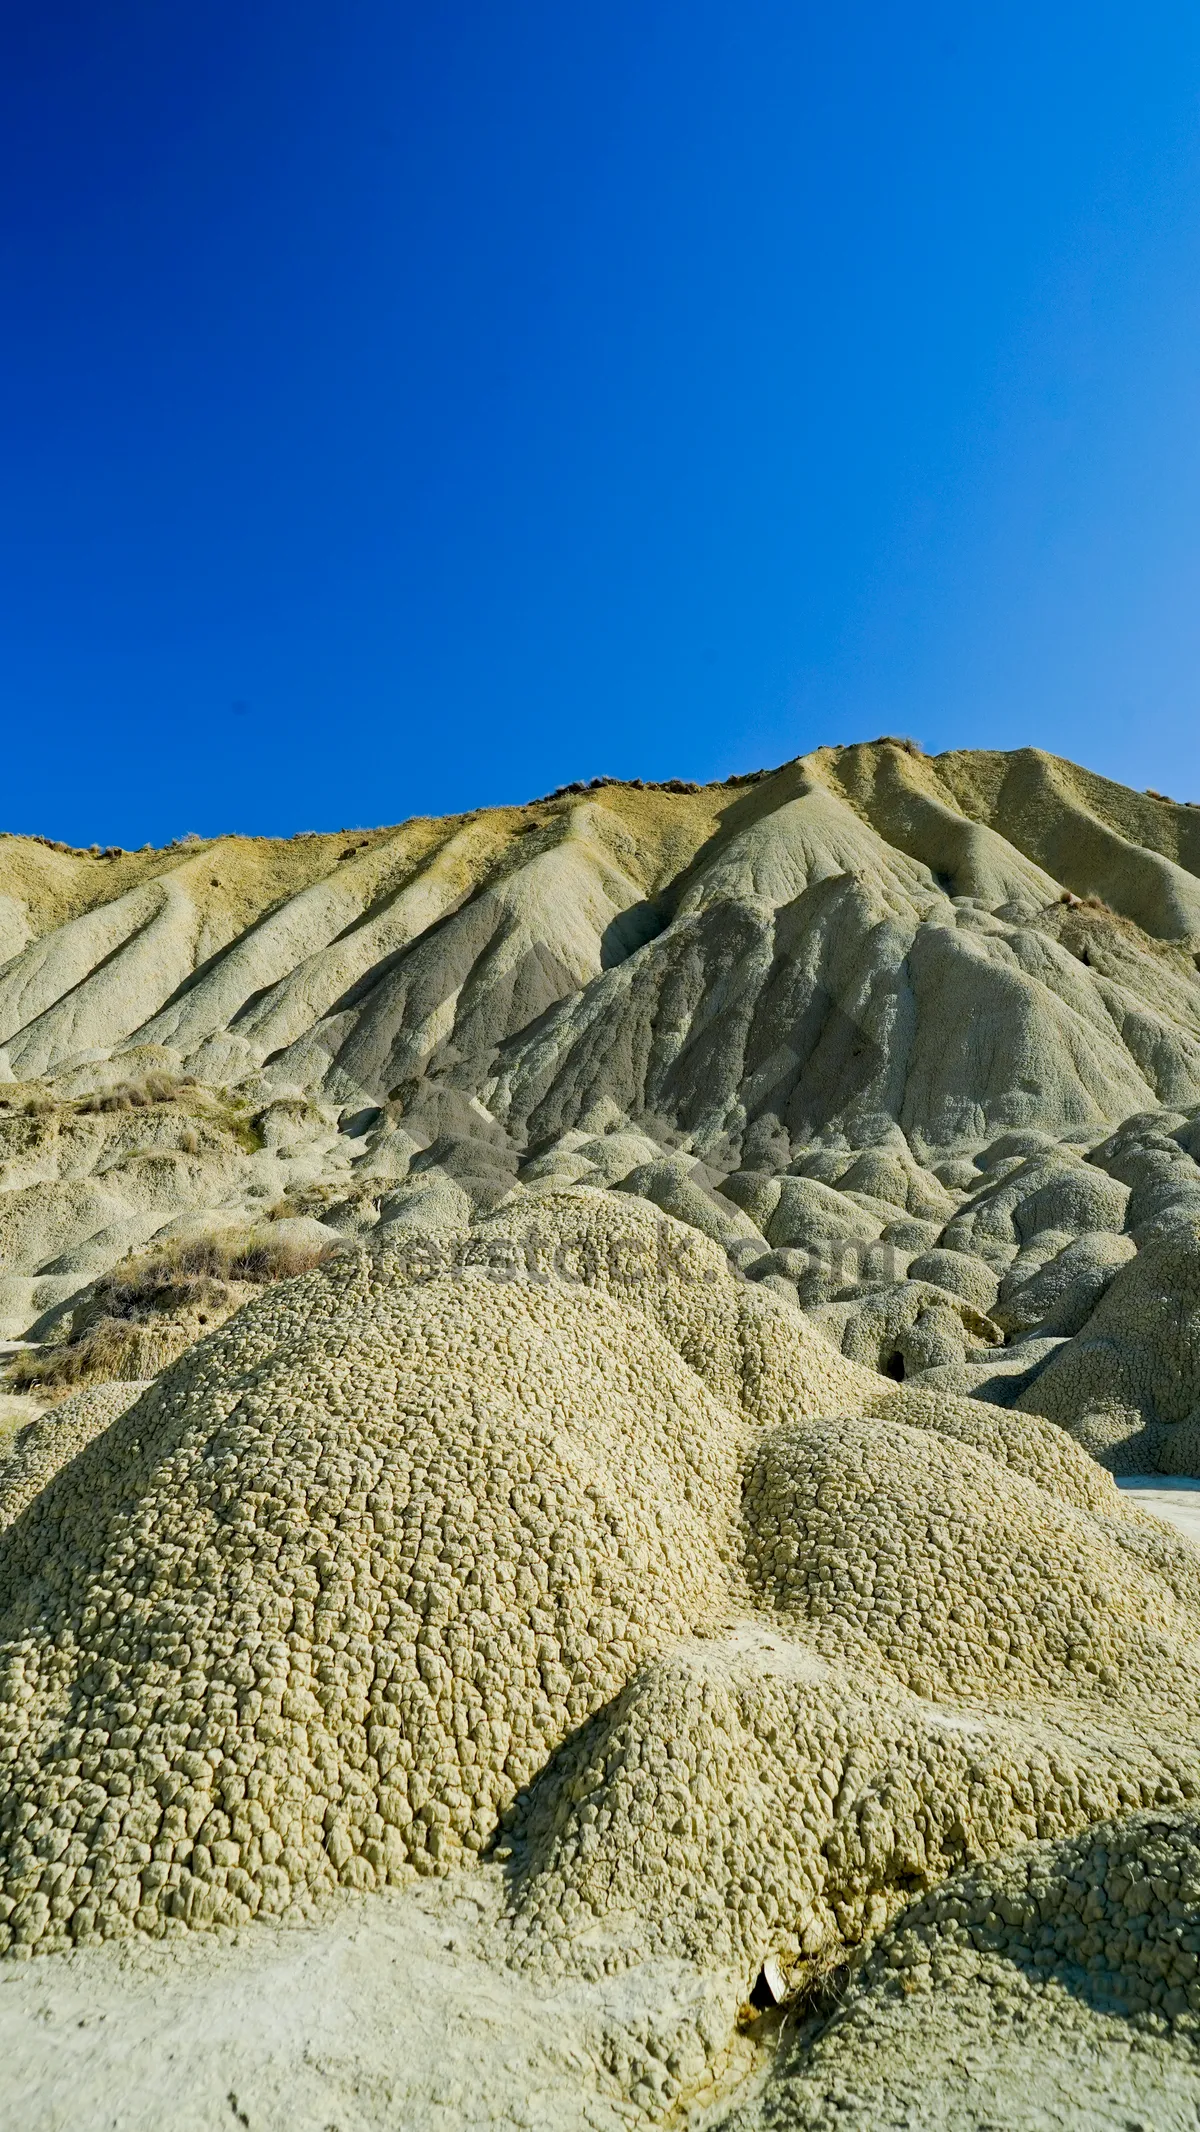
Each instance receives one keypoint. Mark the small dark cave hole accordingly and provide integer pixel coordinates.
(762, 1997)
(894, 1367)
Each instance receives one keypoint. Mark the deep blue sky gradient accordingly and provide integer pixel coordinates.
(406, 408)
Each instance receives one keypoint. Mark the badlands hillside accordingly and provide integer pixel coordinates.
(561, 1555)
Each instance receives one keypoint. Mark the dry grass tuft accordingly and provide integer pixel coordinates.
(107, 1350)
(203, 1106)
(153, 1306)
(136, 1095)
(26, 1101)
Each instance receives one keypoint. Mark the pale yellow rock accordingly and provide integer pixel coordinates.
(527, 1530)
(567, 1515)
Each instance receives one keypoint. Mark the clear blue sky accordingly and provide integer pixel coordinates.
(410, 407)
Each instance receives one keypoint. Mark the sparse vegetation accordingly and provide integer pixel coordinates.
(1087, 925)
(153, 1305)
(136, 1095)
(199, 1107)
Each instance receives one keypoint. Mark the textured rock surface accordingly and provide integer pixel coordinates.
(1055, 1988)
(389, 2010)
(53, 1440)
(758, 1216)
(916, 1041)
(399, 1555)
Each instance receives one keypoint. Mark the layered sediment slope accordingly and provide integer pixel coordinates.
(917, 1041)
(743, 1225)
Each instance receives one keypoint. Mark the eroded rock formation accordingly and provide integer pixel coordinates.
(745, 1223)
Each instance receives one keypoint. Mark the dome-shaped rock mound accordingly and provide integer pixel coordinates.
(1058, 1986)
(750, 1353)
(556, 1539)
(335, 1587)
(969, 1580)
(943, 1661)
(51, 1440)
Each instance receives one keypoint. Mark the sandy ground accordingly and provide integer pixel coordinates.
(390, 2011)
(1177, 1502)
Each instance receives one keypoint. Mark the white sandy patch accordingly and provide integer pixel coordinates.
(394, 2010)
(1175, 1501)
